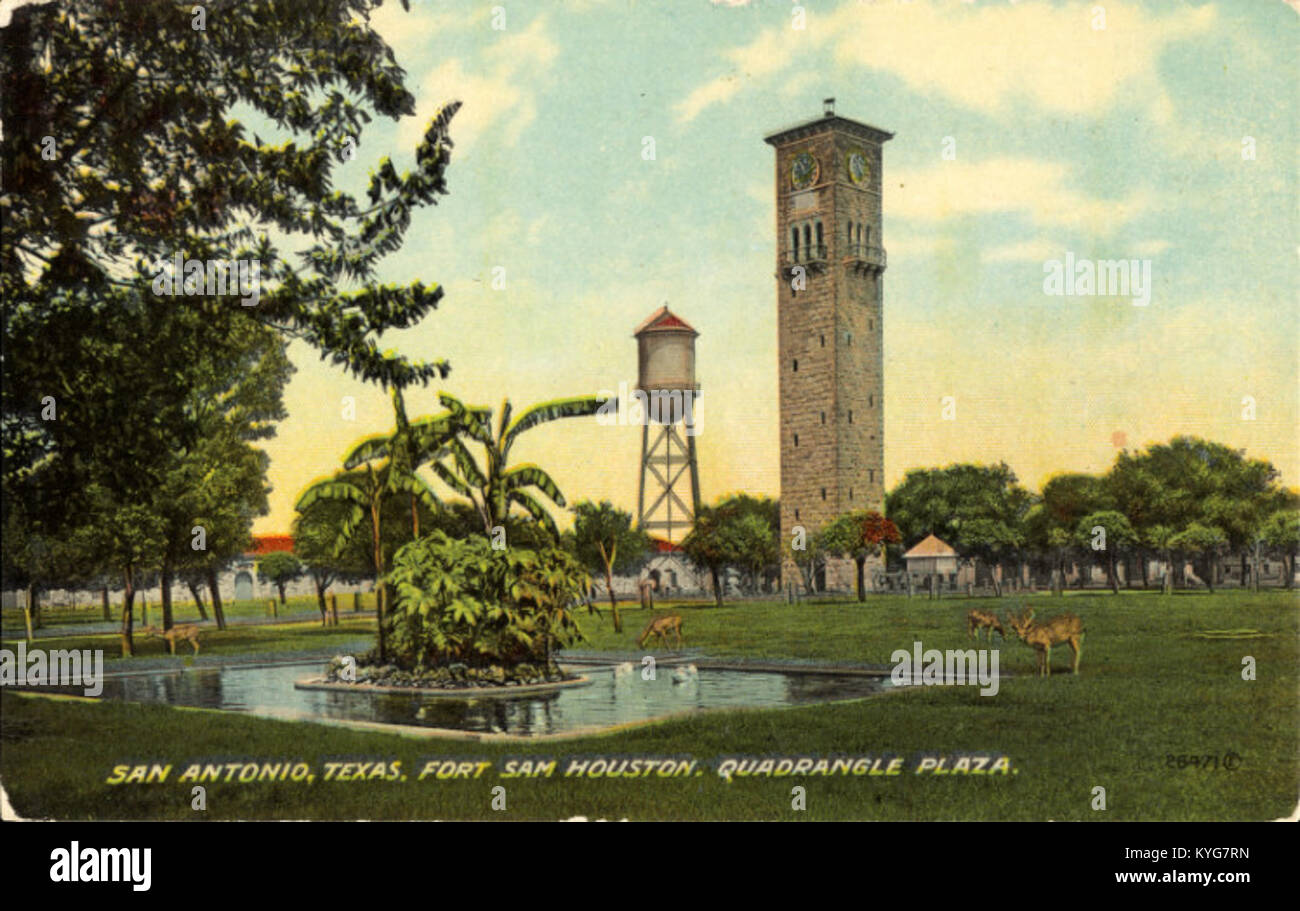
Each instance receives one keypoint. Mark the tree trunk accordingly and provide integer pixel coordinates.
(1142, 559)
(320, 597)
(613, 599)
(34, 606)
(217, 612)
(415, 520)
(197, 594)
(280, 586)
(1111, 575)
(128, 602)
(717, 586)
(1254, 570)
(380, 588)
(108, 615)
(165, 581)
(862, 568)
(1209, 573)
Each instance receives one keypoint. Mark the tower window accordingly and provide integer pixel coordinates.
(823, 493)
(850, 415)
(848, 338)
(823, 417)
(859, 235)
(871, 474)
(871, 324)
(796, 439)
(795, 364)
(850, 235)
(871, 401)
(820, 239)
(850, 493)
(823, 340)
(807, 236)
(796, 515)
(794, 241)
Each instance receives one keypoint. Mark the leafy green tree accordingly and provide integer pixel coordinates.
(1159, 539)
(495, 486)
(860, 535)
(709, 546)
(364, 492)
(605, 541)
(754, 525)
(1116, 535)
(279, 568)
(1204, 544)
(979, 509)
(315, 534)
(1282, 535)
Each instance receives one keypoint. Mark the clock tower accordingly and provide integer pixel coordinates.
(829, 301)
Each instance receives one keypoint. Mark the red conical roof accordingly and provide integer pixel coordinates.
(664, 319)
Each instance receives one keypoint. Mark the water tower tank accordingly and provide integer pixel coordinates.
(665, 353)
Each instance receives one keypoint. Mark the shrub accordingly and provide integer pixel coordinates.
(462, 605)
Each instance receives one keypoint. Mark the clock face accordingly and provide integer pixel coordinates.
(803, 170)
(859, 170)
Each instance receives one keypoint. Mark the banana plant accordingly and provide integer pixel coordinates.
(376, 467)
(493, 486)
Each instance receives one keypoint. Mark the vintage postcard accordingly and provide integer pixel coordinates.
(623, 410)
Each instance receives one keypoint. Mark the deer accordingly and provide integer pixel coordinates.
(1043, 635)
(659, 627)
(185, 631)
(978, 620)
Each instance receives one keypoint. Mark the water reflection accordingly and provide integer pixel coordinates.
(611, 698)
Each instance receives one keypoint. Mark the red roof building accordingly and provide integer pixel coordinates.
(268, 544)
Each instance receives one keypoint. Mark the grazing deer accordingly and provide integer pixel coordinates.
(1042, 636)
(186, 631)
(977, 620)
(660, 627)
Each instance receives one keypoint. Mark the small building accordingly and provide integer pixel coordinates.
(932, 555)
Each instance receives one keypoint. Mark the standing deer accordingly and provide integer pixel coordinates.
(660, 627)
(173, 635)
(1042, 636)
(977, 620)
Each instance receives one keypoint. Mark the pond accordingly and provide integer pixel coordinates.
(612, 697)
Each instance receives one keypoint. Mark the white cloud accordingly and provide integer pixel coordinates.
(1036, 189)
(1036, 250)
(987, 58)
(500, 97)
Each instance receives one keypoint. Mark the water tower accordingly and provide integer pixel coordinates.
(667, 394)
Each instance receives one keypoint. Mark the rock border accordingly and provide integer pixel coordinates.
(465, 692)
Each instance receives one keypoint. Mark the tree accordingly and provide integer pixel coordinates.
(1160, 540)
(860, 535)
(1106, 533)
(709, 547)
(1282, 535)
(754, 525)
(364, 492)
(978, 509)
(494, 487)
(1204, 543)
(279, 568)
(145, 163)
(605, 541)
(315, 534)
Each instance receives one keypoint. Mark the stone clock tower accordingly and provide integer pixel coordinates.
(829, 300)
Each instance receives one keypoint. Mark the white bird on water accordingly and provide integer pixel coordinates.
(622, 670)
(685, 673)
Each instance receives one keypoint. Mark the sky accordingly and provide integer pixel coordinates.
(1024, 131)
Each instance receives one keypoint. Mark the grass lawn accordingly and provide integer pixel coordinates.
(54, 616)
(1150, 687)
(236, 640)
